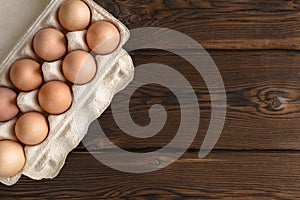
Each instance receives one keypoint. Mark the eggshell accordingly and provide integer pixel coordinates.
(44, 161)
(74, 15)
(26, 74)
(50, 44)
(79, 67)
(8, 104)
(55, 97)
(32, 128)
(12, 158)
(103, 37)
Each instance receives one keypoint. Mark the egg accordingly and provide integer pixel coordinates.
(8, 104)
(50, 44)
(32, 128)
(103, 37)
(26, 74)
(55, 97)
(74, 15)
(79, 67)
(12, 158)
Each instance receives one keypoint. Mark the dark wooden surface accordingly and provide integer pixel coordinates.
(255, 46)
(223, 174)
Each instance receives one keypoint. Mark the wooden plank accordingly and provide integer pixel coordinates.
(220, 24)
(263, 102)
(239, 175)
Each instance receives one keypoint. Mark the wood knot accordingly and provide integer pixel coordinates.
(276, 101)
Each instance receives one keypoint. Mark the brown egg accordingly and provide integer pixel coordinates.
(12, 158)
(74, 15)
(50, 44)
(32, 128)
(79, 67)
(103, 37)
(8, 104)
(55, 97)
(26, 74)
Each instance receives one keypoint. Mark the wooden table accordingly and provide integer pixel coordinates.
(255, 45)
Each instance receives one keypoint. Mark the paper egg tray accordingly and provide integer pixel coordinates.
(114, 73)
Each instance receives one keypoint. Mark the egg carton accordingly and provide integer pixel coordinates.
(115, 71)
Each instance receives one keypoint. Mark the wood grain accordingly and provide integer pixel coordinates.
(218, 24)
(222, 175)
(262, 93)
(255, 46)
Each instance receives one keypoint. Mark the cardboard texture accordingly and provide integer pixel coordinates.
(115, 72)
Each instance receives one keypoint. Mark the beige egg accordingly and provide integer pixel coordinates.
(26, 74)
(32, 128)
(79, 67)
(8, 104)
(55, 97)
(50, 44)
(12, 158)
(74, 15)
(103, 37)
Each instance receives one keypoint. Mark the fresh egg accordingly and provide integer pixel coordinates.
(55, 97)
(26, 74)
(79, 67)
(12, 158)
(50, 44)
(74, 15)
(103, 37)
(32, 128)
(8, 104)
